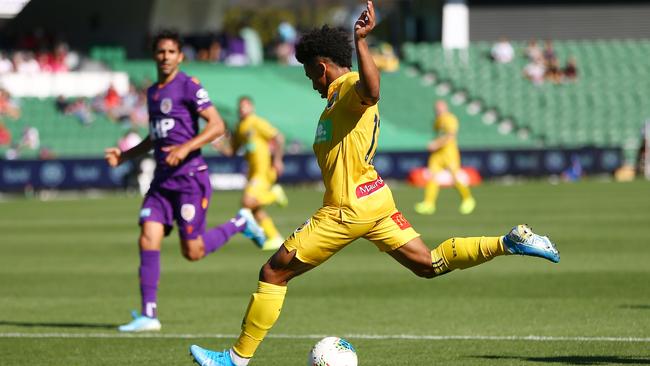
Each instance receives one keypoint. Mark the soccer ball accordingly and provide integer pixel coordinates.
(332, 351)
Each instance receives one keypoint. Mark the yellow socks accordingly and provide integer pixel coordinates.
(263, 310)
(463, 190)
(431, 192)
(461, 253)
(269, 228)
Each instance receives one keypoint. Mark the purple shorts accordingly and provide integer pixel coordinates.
(184, 198)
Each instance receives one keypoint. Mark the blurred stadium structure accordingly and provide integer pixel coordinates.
(73, 73)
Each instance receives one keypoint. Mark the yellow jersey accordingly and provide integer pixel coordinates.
(345, 145)
(447, 123)
(254, 134)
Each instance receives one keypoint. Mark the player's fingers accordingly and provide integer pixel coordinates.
(167, 148)
(371, 9)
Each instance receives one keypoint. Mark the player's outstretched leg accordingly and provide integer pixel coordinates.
(462, 253)
(244, 223)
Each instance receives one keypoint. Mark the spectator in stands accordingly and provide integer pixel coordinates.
(285, 49)
(25, 63)
(502, 51)
(253, 45)
(5, 64)
(77, 108)
(535, 71)
(553, 73)
(5, 135)
(533, 52)
(570, 70)
(30, 139)
(235, 50)
(549, 52)
(8, 106)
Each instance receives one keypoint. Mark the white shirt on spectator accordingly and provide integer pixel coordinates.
(5, 66)
(502, 52)
(28, 67)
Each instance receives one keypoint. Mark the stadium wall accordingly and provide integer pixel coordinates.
(23, 175)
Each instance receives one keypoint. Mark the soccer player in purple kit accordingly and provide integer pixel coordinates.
(181, 187)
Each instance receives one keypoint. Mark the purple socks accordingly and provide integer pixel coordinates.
(216, 237)
(149, 278)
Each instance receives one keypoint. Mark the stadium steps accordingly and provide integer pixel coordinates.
(606, 107)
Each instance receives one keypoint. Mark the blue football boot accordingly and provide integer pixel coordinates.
(252, 230)
(140, 323)
(522, 240)
(205, 357)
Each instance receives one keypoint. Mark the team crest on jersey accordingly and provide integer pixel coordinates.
(188, 211)
(332, 100)
(202, 96)
(166, 105)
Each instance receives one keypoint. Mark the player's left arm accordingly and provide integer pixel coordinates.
(214, 128)
(440, 141)
(278, 154)
(368, 85)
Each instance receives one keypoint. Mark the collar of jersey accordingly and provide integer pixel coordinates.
(338, 81)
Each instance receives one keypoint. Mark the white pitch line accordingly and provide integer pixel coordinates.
(530, 338)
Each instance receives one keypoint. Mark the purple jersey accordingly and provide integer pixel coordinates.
(173, 120)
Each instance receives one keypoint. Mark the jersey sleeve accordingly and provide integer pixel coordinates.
(196, 96)
(265, 129)
(350, 97)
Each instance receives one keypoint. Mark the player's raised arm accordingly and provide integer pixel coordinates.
(213, 129)
(114, 156)
(368, 86)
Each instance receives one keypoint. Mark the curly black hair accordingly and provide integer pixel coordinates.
(167, 34)
(333, 43)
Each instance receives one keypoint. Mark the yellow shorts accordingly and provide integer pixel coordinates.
(324, 234)
(444, 159)
(259, 185)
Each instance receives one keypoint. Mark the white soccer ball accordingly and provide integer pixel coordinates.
(332, 351)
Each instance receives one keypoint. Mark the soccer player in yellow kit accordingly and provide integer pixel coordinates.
(444, 155)
(357, 202)
(255, 135)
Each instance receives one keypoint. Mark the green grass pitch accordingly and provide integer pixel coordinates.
(68, 277)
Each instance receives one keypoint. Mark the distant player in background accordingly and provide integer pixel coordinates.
(258, 138)
(444, 155)
(357, 202)
(181, 187)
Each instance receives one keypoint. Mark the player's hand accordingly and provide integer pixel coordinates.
(278, 165)
(366, 22)
(175, 154)
(113, 156)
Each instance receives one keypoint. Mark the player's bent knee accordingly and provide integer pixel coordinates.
(273, 276)
(193, 251)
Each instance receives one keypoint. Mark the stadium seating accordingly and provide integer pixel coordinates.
(282, 94)
(605, 107)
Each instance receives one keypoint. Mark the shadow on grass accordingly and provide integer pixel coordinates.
(58, 325)
(641, 307)
(578, 360)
